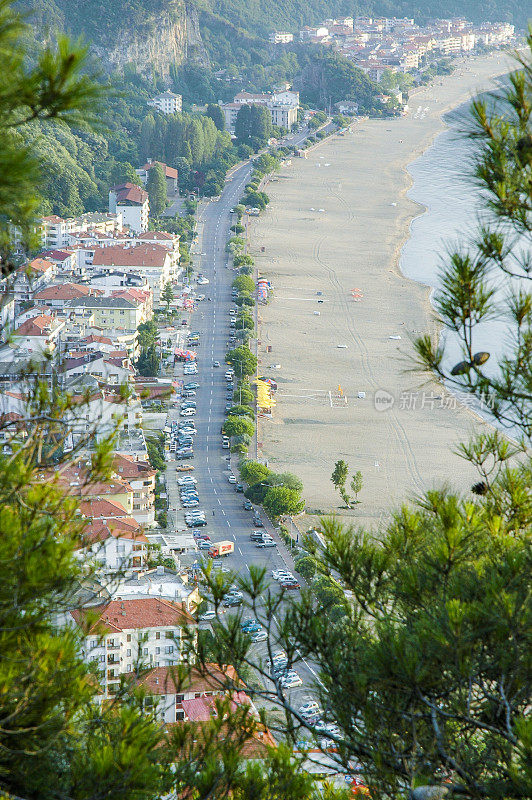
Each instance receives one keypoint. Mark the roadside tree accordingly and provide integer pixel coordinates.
(244, 284)
(167, 295)
(253, 472)
(239, 426)
(243, 361)
(242, 411)
(280, 501)
(245, 299)
(156, 187)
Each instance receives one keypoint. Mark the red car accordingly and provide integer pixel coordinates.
(290, 585)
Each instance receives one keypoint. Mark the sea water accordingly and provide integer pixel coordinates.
(444, 184)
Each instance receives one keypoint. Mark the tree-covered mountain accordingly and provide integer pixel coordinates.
(261, 16)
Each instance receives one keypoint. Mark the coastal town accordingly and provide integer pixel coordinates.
(188, 366)
(378, 45)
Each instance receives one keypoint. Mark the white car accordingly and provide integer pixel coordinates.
(229, 375)
(202, 281)
(211, 614)
(185, 481)
(281, 575)
(291, 680)
(260, 636)
(204, 545)
(231, 479)
(187, 412)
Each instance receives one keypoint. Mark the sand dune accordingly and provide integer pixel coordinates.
(360, 182)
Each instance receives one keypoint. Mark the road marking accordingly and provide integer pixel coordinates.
(223, 512)
(228, 524)
(214, 490)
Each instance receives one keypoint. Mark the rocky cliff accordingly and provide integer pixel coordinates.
(149, 34)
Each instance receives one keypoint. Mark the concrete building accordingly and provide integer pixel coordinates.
(110, 313)
(167, 102)
(154, 262)
(133, 203)
(281, 37)
(124, 632)
(169, 173)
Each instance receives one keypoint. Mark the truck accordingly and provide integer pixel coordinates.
(224, 548)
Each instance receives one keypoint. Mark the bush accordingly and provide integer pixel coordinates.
(306, 566)
(162, 519)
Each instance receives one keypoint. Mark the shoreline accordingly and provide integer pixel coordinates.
(311, 427)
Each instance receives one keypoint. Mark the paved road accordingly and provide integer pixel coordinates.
(211, 319)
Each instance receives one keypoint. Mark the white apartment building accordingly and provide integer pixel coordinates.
(283, 107)
(167, 102)
(281, 37)
(149, 630)
(307, 33)
(56, 232)
(115, 545)
(133, 203)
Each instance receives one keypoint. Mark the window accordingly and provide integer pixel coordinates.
(169, 649)
(102, 658)
(169, 634)
(179, 698)
(158, 634)
(129, 637)
(128, 653)
(198, 694)
(128, 668)
(179, 715)
(157, 650)
(145, 651)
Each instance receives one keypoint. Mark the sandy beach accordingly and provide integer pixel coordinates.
(336, 223)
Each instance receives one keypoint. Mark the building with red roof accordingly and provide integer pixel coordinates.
(125, 631)
(133, 203)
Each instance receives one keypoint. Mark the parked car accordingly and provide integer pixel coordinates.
(216, 363)
(207, 616)
(266, 543)
(186, 480)
(251, 626)
(187, 412)
(247, 505)
(291, 680)
(278, 574)
(192, 385)
(311, 707)
(290, 585)
(204, 545)
(233, 601)
(256, 536)
(225, 444)
(258, 522)
(189, 393)
(260, 636)
(239, 488)
(231, 479)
